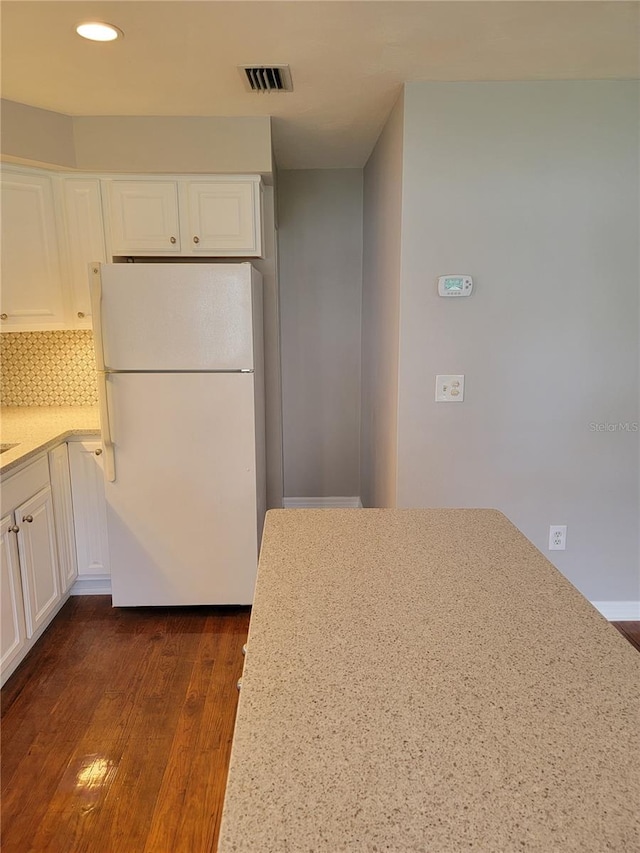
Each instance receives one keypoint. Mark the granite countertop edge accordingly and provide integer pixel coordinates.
(38, 429)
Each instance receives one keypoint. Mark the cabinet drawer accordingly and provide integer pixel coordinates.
(21, 486)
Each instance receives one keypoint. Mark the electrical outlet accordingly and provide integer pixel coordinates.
(557, 537)
(450, 388)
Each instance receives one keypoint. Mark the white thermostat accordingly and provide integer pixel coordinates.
(455, 285)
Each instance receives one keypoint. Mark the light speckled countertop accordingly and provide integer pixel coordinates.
(35, 429)
(425, 680)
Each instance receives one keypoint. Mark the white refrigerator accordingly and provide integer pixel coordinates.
(180, 380)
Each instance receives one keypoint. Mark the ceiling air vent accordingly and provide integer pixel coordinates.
(267, 78)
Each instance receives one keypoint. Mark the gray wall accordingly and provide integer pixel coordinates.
(268, 266)
(382, 234)
(32, 135)
(533, 189)
(219, 144)
(173, 143)
(320, 246)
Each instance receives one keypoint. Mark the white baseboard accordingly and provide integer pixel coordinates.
(322, 503)
(619, 611)
(95, 585)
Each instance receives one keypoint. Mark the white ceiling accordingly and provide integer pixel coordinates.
(348, 59)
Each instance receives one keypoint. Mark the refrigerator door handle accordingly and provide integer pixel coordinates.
(107, 443)
(95, 282)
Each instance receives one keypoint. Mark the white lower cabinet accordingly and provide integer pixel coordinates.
(12, 627)
(31, 590)
(90, 514)
(53, 536)
(38, 558)
(63, 512)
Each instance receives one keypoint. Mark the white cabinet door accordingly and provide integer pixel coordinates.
(63, 512)
(143, 217)
(89, 508)
(224, 218)
(38, 558)
(12, 626)
(32, 291)
(85, 241)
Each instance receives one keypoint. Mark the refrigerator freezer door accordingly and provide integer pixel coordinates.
(176, 316)
(182, 513)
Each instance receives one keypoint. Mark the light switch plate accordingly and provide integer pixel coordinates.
(450, 388)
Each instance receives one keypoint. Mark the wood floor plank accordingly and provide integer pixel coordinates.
(31, 790)
(186, 817)
(55, 710)
(103, 719)
(630, 630)
(93, 766)
(142, 745)
(207, 781)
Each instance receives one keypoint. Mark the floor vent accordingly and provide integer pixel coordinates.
(267, 78)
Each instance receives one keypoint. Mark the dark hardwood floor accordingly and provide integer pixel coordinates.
(630, 630)
(117, 728)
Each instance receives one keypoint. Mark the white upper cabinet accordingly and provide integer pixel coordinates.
(143, 217)
(213, 216)
(54, 225)
(84, 241)
(32, 288)
(224, 217)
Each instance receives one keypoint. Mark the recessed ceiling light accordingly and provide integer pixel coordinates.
(98, 31)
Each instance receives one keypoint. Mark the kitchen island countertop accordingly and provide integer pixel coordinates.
(35, 429)
(426, 680)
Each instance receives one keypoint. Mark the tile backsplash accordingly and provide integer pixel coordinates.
(47, 369)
